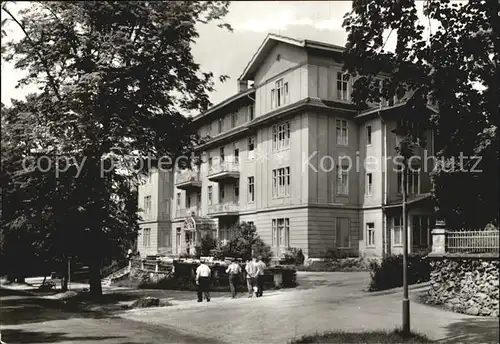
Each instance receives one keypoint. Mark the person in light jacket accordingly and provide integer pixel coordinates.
(260, 277)
(252, 275)
(203, 274)
(234, 271)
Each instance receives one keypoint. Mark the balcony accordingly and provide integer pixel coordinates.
(188, 180)
(224, 209)
(187, 212)
(224, 170)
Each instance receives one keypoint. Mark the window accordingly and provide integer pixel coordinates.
(368, 135)
(210, 193)
(178, 199)
(178, 240)
(188, 201)
(369, 183)
(221, 193)
(370, 234)
(342, 180)
(210, 161)
(164, 238)
(341, 125)
(412, 181)
(281, 136)
(376, 86)
(251, 110)
(234, 119)
(343, 88)
(198, 198)
(343, 239)
(146, 237)
(251, 189)
(220, 125)
(281, 182)
(147, 204)
(421, 231)
(236, 156)
(397, 230)
(251, 143)
(251, 147)
(236, 190)
(250, 223)
(209, 129)
(281, 233)
(279, 95)
(221, 154)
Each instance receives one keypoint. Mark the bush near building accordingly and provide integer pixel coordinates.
(182, 277)
(389, 272)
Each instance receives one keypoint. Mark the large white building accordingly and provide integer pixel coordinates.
(273, 159)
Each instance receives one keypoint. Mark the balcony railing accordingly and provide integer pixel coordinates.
(224, 167)
(224, 170)
(188, 176)
(230, 207)
(187, 212)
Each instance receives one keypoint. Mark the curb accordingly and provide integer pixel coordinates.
(20, 291)
(399, 289)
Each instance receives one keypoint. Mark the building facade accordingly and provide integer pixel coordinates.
(290, 154)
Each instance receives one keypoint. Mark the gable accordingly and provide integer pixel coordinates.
(281, 57)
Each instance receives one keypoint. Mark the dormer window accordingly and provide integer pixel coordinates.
(376, 86)
(343, 87)
(279, 95)
(220, 123)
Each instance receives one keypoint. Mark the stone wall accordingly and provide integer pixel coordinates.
(466, 284)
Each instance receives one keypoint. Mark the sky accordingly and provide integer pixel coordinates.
(227, 53)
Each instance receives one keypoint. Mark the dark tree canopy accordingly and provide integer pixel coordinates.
(116, 79)
(454, 62)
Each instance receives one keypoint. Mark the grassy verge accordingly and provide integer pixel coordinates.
(395, 336)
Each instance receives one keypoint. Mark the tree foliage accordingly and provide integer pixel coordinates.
(246, 244)
(454, 62)
(115, 81)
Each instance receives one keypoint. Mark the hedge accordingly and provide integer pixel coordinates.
(183, 277)
(389, 273)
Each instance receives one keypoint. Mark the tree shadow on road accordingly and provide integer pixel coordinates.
(26, 337)
(24, 310)
(480, 330)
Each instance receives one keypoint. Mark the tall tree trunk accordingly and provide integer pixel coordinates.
(64, 280)
(95, 278)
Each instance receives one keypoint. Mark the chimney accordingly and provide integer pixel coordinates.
(242, 85)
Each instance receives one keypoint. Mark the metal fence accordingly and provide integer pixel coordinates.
(475, 241)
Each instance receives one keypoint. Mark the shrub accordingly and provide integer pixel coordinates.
(294, 256)
(333, 254)
(186, 255)
(389, 273)
(246, 242)
(207, 244)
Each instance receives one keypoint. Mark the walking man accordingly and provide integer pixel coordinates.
(260, 277)
(203, 274)
(234, 271)
(252, 273)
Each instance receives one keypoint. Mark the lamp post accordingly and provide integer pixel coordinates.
(406, 301)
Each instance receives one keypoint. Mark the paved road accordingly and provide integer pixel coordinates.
(34, 320)
(324, 301)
